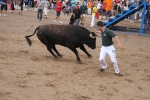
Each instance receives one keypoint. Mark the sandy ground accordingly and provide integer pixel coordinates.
(31, 73)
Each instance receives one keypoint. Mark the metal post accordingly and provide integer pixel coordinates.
(142, 28)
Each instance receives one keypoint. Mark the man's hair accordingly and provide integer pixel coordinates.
(100, 23)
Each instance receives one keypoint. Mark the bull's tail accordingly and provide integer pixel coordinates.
(28, 39)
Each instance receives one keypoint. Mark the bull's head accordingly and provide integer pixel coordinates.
(92, 40)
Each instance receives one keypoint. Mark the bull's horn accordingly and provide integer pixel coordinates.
(92, 36)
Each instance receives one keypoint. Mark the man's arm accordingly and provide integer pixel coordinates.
(119, 44)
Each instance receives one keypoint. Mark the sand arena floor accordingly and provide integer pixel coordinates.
(31, 73)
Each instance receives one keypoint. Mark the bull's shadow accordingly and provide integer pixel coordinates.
(63, 59)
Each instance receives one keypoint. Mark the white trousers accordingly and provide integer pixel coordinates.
(89, 11)
(45, 11)
(93, 21)
(110, 50)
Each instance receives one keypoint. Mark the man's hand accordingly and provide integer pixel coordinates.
(119, 44)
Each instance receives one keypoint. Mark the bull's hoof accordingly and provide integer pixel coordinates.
(79, 62)
(56, 57)
(90, 56)
(60, 56)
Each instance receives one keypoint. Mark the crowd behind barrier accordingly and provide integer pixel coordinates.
(97, 9)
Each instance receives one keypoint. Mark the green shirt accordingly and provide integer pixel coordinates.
(83, 9)
(107, 37)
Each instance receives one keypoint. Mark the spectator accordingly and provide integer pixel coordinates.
(83, 9)
(94, 11)
(46, 6)
(64, 4)
(40, 6)
(21, 7)
(29, 4)
(77, 12)
(54, 4)
(99, 6)
(89, 6)
(66, 10)
(2, 2)
(73, 3)
(116, 9)
(4, 6)
(16, 4)
(11, 6)
(59, 7)
(124, 5)
(109, 5)
(103, 11)
(26, 4)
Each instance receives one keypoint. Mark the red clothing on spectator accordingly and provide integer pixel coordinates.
(117, 1)
(58, 6)
(103, 6)
(11, 5)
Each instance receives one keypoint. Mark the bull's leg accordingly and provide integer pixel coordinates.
(50, 50)
(54, 48)
(76, 53)
(72, 47)
(84, 50)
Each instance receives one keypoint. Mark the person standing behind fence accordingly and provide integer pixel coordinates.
(21, 7)
(40, 6)
(89, 4)
(4, 6)
(83, 9)
(77, 12)
(59, 7)
(46, 6)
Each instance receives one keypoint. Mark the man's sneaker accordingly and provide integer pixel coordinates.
(55, 21)
(102, 69)
(60, 22)
(0, 14)
(118, 74)
(4, 15)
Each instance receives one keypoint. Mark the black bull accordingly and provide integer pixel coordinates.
(66, 35)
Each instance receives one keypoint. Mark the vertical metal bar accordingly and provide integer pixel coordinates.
(142, 28)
